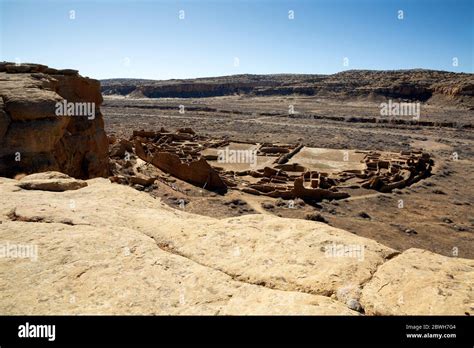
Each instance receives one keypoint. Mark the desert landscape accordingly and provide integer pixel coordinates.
(237, 195)
(340, 114)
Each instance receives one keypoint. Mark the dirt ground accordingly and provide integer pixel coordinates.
(434, 214)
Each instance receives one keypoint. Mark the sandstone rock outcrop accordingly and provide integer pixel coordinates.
(33, 138)
(419, 281)
(116, 250)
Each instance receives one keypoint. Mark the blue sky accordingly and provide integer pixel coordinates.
(146, 39)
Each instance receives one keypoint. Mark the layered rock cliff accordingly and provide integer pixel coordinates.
(50, 120)
(416, 85)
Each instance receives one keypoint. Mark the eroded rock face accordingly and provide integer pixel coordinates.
(33, 138)
(120, 251)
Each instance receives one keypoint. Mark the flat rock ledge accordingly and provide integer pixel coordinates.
(50, 181)
(109, 249)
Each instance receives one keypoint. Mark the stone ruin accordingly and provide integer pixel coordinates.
(385, 173)
(179, 155)
(182, 154)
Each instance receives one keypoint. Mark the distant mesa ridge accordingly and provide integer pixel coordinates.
(416, 85)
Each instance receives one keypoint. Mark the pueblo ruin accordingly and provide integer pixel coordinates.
(286, 171)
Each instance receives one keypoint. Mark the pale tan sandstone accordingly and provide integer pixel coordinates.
(280, 253)
(50, 181)
(421, 282)
(284, 260)
(89, 270)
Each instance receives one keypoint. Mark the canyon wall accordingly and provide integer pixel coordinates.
(441, 87)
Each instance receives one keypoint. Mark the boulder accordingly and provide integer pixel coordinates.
(50, 181)
(141, 179)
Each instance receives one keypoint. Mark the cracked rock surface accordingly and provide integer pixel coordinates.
(109, 249)
(419, 281)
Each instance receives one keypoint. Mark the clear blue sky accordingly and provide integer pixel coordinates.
(146, 39)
